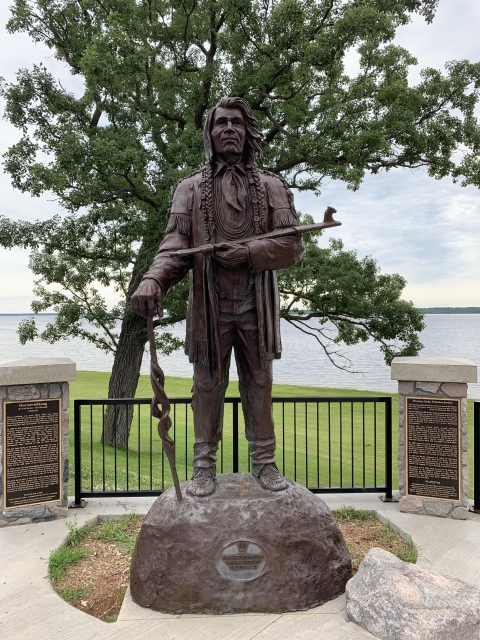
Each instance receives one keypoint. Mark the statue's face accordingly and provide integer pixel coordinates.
(228, 131)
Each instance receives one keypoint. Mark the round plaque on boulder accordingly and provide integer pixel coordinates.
(241, 549)
(242, 560)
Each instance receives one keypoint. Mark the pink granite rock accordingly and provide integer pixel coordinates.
(410, 504)
(396, 600)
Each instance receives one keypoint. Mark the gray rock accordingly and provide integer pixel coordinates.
(58, 510)
(65, 446)
(405, 388)
(395, 600)
(65, 423)
(429, 387)
(55, 391)
(460, 513)
(241, 549)
(23, 392)
(463, 414)
(455, 389)
(66, 470)
(35, 511)
(465, 480)
(47, 518)
(439, 508)
(65, 395)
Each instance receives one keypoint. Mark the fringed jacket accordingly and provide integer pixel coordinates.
(191, 223)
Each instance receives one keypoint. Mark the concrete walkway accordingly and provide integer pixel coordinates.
(30, 609)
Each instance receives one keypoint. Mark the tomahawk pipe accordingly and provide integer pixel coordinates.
(328, 222)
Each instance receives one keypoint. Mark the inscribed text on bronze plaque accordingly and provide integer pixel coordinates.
(433, 448)
(242, 560)
(32, 452)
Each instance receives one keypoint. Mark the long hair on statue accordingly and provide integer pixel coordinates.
(254, 139)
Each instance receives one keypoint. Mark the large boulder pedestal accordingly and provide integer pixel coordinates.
(241, 549)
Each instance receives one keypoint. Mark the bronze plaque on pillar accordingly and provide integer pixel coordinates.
(32, 453)
(433, 448)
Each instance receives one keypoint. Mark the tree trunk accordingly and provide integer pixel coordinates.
(128, 360)
(128, 356)
(124, 380)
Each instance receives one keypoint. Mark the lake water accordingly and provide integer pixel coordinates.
(303, 361)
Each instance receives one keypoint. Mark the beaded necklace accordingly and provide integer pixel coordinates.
(257, 198)
(212, 221)
(229, 232)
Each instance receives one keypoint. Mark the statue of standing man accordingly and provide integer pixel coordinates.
(234, 300)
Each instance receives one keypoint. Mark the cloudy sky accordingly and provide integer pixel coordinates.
(426, 230)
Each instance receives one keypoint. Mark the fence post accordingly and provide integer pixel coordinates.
(476, 457)
(235, 436)
(388, 450)
(78, 502)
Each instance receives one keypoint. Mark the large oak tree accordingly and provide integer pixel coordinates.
(150, 70)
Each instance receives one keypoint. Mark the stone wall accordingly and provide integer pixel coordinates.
(432, 506)
(47, 370)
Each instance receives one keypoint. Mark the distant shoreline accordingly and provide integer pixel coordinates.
(425, 310)
(449, 310)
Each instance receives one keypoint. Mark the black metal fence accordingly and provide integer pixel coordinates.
(328, 444)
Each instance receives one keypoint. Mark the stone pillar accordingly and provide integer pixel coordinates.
(36, 379)
(421, 381)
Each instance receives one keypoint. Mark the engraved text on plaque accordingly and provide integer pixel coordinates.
(242, 560)
(433, 448)
(32, 455)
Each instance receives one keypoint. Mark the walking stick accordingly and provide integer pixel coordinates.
(160, 407)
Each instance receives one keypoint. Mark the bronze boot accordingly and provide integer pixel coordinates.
(202, 482)
(269, 476)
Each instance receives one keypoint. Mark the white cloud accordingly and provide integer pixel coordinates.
(424, 229)
(453, 35)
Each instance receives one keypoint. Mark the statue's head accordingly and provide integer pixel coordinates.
(230, 128)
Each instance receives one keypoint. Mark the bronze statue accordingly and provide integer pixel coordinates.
(234, 299)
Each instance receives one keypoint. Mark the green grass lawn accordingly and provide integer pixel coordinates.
(313, 442)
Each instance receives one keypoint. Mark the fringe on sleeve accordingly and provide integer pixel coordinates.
(284, 218)
(181, 222)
